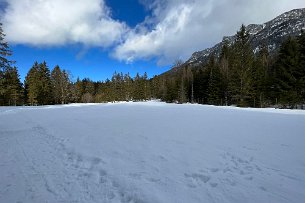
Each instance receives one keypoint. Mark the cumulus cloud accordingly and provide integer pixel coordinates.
(173, 30)
(155, 42)
(58, 22)
(181, 27)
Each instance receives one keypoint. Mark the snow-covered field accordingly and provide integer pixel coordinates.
(151, 152)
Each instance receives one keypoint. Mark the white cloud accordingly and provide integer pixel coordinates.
(152, 43)
(175, 29)
(181, 27)
(58, 22)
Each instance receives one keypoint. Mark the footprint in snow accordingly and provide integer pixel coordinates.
(214, 170)
(249, 178)
(263, 188)
(197, 179)
(136, 176)
(102, 176)
(213, 184)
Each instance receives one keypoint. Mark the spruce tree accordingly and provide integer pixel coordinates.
(14, 89)
(200, 85)
(5, 52)
(46, 92)
(224, 72)
(261, 77)
(214, 82)
(286, 72)
(115, 80)
(77, 90)
(56, 84)
(87, 90)
(31, 84)
(241, 78)
(128, 87)
(182, 88)
(156, 87)
(38, 85)
(139, 92)
(60, 85)
(301, 68)
(190, 84)
(145, 85)
(5, 66)
(66, 96)
(171, 92)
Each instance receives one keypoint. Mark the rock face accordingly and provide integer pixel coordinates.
(272, 33)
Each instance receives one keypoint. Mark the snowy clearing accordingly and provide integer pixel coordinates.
(151, 152)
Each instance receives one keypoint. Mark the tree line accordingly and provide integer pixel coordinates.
(45, 87)
(11, 89)
(237, 76)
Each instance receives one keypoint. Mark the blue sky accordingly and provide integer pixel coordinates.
(93, 62)
(130, 11)
(94, 38)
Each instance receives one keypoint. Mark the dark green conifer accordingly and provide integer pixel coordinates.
(286, 73)
(242, 65)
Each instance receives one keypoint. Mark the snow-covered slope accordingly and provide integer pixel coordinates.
(271, 33)
(151, 152)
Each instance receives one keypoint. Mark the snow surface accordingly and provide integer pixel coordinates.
(151, 152)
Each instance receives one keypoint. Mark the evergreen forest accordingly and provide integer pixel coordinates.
(237, 76)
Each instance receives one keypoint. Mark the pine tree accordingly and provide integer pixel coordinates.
(5, 52)
(182, 89)
(163, 88)
(77, 90)
(214, 82)
(31, 85)
(261, 76)
(241, 78)
(66, 96)
(139, 92)
(146, 86)
(38, 85)
(128, 87)
(5, 66)
(56, 84)
(61, 85)
(87, 90)
(14, 90)
(301, 68)
(224, 72)
(117, 86)
(171, 92)
(45, 94)
(286, 73)
(200, 85)
(190, 84)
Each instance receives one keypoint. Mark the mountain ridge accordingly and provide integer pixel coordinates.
(272, 33)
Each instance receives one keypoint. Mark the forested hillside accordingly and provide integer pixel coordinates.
(241, 77)
(238, 76)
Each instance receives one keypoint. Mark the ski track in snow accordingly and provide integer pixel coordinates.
(151, 152)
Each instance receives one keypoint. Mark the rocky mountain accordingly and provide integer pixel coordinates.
(272, 33)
